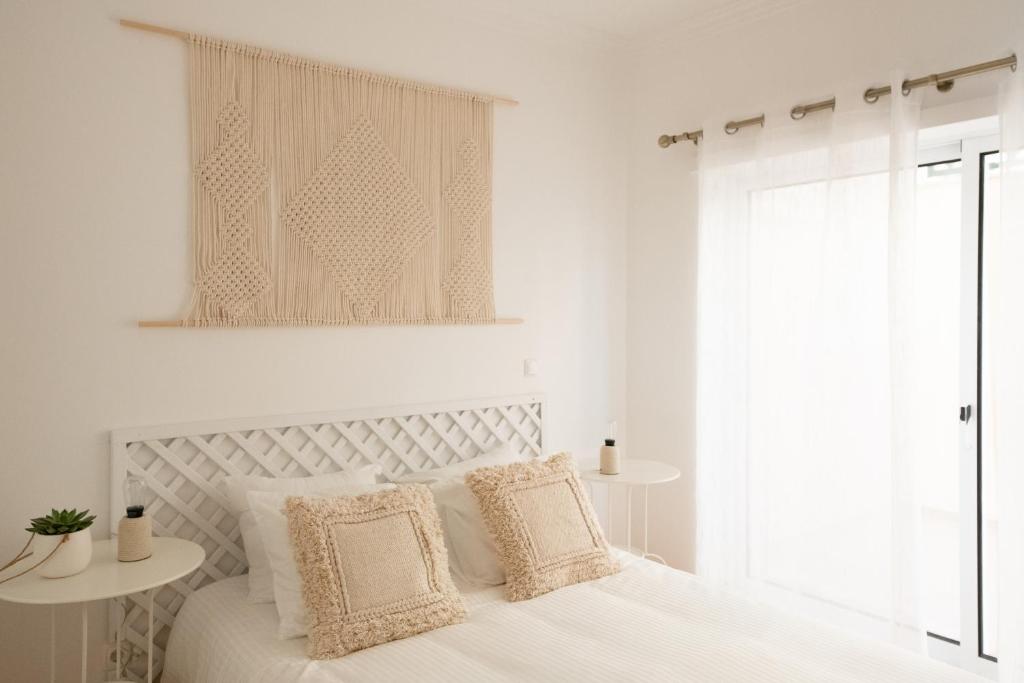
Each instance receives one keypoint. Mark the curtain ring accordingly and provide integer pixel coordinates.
(870, 96)
(797, 113)
(732, 126)
(906, 90)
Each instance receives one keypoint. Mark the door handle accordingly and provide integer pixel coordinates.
(965, 413)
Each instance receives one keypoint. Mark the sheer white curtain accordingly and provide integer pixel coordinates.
(806, 451)
(1006, 246)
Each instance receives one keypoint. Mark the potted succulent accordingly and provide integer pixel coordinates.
(64, 540)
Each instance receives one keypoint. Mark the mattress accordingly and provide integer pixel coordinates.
(648, 622)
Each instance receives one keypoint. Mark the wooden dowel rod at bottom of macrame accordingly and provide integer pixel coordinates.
(179, 323)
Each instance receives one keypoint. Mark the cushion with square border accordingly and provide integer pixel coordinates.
(543, 525)
(374, 568)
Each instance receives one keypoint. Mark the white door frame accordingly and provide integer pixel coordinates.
(966, 654)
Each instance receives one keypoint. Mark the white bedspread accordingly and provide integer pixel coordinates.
(647, 623)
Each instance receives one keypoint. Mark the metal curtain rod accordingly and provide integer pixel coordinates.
(942, 81)
(174, 33)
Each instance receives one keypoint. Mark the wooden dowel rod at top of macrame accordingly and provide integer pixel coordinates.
(179, 323)
(184, 35)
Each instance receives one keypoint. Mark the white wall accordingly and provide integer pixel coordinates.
(798, 55)
(94, 197)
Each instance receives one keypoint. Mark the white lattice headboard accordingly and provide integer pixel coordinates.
(183, 464)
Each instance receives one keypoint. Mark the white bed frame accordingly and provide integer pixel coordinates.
(182, 465)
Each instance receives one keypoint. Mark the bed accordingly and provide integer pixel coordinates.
(648, 622)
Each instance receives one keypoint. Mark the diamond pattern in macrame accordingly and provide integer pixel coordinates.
(468, 284)
(468, 281)
(234, 177)
(361, 217)
(469, 195)
(232, 173)
(234, 280)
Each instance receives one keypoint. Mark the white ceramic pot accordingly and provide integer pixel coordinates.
(72, 557)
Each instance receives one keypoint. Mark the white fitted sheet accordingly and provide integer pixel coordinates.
(647, 623)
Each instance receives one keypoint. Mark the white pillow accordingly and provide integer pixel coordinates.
(268, 509)
(235, 488)
(472, 555)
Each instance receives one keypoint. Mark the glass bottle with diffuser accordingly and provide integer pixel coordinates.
(610, 453)
(135, 531)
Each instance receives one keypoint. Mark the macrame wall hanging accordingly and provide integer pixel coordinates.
(323, 195)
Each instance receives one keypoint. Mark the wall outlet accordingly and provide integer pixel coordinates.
(530, 367)
(129, 655)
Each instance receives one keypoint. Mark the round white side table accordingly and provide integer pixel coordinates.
(633, 473)
(107, 578)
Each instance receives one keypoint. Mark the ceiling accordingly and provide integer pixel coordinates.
(617, 22)
(622, 20)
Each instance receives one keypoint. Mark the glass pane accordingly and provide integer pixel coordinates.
(820, 503)
(818, 399)
(937, 289)
(990, 523)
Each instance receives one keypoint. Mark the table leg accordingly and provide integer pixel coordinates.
(608, 505)
(117, 637)
(647, 554)
(85, 642)
(593, 504)
(149, 642)
(645, 519)
(629, 519)
(53, 644)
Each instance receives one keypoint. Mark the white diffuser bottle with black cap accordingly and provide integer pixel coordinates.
(135, 532)
(610, 453)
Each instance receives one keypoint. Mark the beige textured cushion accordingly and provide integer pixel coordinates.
(374, 568)
(543, 525)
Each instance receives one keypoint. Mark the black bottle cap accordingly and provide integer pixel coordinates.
(609, 442)
(134, 511)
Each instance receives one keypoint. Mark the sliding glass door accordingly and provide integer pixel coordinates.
(818, 486)
(939, 250)
(853, 482)
(959, 524)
